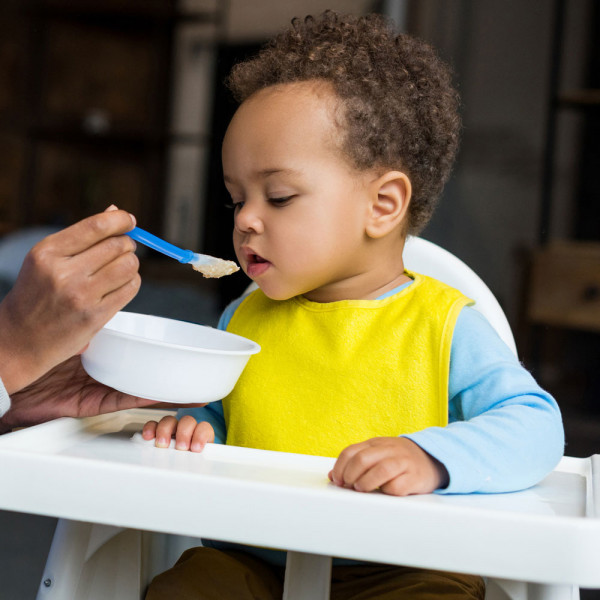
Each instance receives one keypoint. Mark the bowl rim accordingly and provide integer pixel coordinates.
(254, 347)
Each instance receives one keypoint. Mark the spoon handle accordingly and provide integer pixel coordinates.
(150, 240)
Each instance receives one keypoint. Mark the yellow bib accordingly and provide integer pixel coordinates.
(333, 374)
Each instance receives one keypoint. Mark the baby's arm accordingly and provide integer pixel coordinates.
(189, 434)
(395, 465)
(505, 432)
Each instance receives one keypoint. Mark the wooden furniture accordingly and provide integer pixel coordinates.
(565, 285)
(85, 107)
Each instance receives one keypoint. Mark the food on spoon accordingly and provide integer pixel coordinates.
(212, 267)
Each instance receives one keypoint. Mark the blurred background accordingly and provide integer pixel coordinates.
(122, 102)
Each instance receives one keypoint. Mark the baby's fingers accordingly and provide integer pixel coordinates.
(352, 463)
(404, 485)
(164, 431)
(385, 472)
(203, 434)
(185, 431)
(149, 430)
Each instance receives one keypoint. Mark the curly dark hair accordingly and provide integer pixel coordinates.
(400, 110)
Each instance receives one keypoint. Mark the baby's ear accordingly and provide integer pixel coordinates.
(390, 197)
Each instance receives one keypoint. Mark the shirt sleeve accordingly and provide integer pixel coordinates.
(504, 432)
(213, 412)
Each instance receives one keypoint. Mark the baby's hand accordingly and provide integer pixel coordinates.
(396, 465)
(189, 434)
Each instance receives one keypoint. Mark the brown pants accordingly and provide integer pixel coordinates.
(210, 574)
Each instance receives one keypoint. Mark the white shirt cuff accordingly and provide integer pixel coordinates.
(4, 399)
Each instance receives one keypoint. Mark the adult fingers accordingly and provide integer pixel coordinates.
(114, 275)
(84, 234)
(93, 259)
(177, 405)
(49, 267)
(85, 304)
(116, 300)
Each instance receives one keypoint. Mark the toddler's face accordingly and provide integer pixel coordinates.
(299, 207)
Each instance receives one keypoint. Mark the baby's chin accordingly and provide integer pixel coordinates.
(279, 293)
(278, 296)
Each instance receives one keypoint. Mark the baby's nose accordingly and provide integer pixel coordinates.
(248, 219)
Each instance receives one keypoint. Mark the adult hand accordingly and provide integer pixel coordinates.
(65, 391)
(395, 465)
(71, 283)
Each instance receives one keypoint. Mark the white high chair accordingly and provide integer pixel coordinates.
(430, 259)
(93, 562)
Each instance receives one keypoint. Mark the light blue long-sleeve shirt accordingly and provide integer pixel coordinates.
(504, 432)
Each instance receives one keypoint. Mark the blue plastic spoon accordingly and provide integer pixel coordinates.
(209, 266)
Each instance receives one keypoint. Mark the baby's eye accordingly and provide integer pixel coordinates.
(280, 201)
(235, 206)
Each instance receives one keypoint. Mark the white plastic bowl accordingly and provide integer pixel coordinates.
(167, 360)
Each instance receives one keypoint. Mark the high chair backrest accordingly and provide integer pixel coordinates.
(428, 258)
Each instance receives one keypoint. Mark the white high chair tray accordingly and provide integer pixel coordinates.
(91, 470)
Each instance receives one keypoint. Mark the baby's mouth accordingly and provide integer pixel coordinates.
(252, 257)
(256, 259)
(256, 265)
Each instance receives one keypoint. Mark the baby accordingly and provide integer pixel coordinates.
(345, 135)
